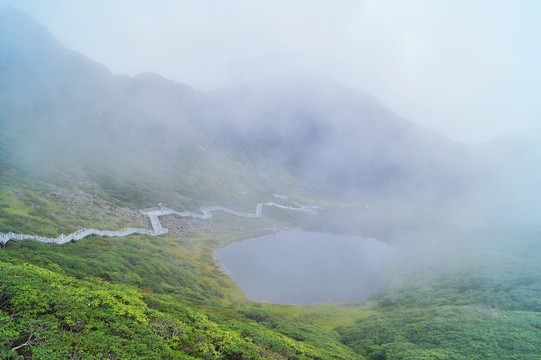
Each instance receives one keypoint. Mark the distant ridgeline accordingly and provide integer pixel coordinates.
(157, 228)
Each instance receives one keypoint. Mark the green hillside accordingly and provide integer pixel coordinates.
(83, 148)
(163, 297)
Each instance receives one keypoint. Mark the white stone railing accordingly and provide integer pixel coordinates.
(157, 229)
(78, 235)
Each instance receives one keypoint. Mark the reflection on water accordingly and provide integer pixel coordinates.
(298, 267)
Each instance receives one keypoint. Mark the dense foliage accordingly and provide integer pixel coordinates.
(460, 294)
(463, 294)
(479, 297)
(47, 315)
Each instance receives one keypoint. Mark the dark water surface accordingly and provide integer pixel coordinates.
(298, 267)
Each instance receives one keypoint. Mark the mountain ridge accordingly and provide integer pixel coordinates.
(316, 133)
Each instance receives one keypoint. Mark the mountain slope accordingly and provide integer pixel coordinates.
(62, 110)
(335, 137)
(80, 147)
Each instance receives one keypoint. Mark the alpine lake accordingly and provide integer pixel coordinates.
(301, 268)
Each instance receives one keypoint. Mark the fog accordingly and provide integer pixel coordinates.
(276, 111)
(399, 137)
(466, 69)
(410, 124)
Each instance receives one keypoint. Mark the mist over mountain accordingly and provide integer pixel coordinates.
(59, 108)
(411, 229)
(337, 138)
(511, 167)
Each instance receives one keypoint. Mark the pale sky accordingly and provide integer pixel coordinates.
(469, 69)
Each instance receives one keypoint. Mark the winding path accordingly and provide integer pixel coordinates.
(154, 216)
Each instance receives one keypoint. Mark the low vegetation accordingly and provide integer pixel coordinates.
(464, 294)
(478, 297)
(83, 148)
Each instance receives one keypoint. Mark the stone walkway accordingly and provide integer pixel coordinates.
(157, 229)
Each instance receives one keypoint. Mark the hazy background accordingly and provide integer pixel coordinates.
(468, 69)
